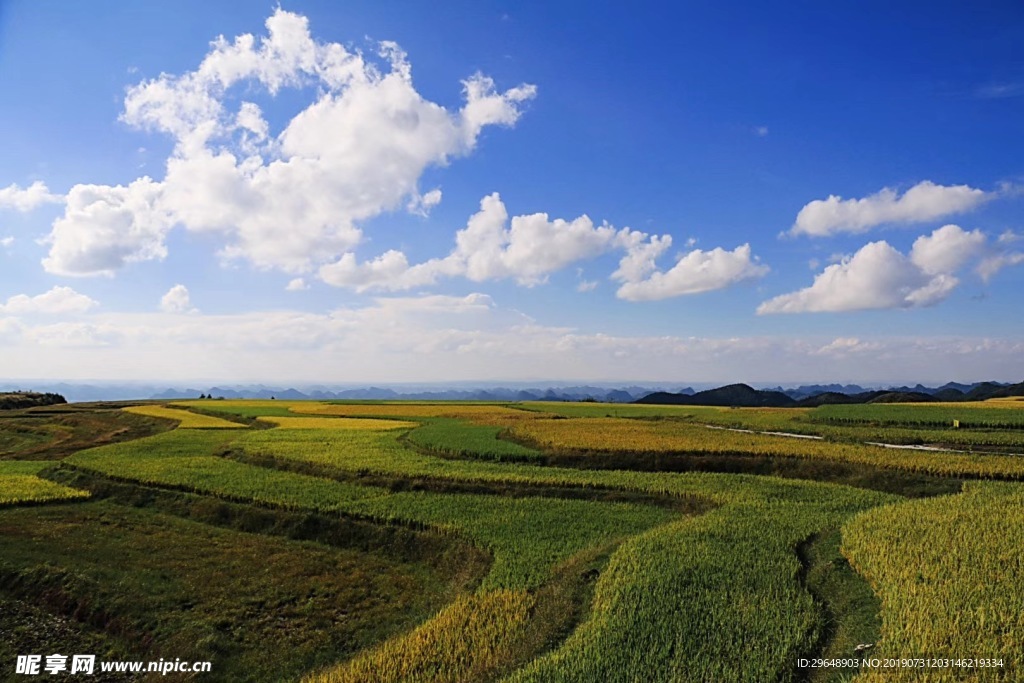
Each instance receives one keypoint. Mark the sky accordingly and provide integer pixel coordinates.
(375, 192)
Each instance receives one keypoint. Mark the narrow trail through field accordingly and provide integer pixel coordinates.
(754, 431)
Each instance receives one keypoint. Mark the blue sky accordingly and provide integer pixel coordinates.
(375, 192)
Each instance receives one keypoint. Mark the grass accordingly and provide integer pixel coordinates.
(694, 600)
(738, 593)
(527, 537)
(185, 418)
(55, 432)
(344, 424)
(457, 437)
(984, 414)
(185, 460)
(949, 575)
(261, 608)
(468, 641)
(244, 408)
(617, 435)
(749, 542)
(851, 608)
(890, 423)
(20, 484)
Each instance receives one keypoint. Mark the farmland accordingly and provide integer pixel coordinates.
(521, 542)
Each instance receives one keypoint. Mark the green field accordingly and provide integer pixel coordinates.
(390, 541)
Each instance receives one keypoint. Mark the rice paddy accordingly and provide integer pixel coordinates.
(598, 570)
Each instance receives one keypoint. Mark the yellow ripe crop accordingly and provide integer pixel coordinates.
(19, 484)
(468, 641)
(339, 423)
(186, 419)
(404, 410)
(948, 573)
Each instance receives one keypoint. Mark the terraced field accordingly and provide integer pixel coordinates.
(541, 542)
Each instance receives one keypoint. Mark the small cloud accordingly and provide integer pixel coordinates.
(761, 131)
(1009, 237)
(695, 272)
(814, 264)
(691, 243)
(6, 241)
(57, 301)
(925, 201)
(422, 204)
(586, 286)
(177, 300)
(29, 198)
(991, 265)
(296, 285)
(842, 346)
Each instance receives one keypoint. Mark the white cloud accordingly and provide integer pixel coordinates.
(105, 227)
(390, 271)
(879, 277)
(422, 204)
(641, 257)
(177, 300)
(526, 248)
(296, 285)
(695, 272)
(923, 202)
(991, 265)
(530, 248)
(6, 242)
(847, 346)
(57, 301)
(1009, 237)
(947, 249)
(27, 199)
(289, 201)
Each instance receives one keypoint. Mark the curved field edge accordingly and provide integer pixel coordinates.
(19, 484)
(508, 433)
(693, 599)
(466, 641)
(260, 603)
(584, 482)
(950, 577)
(187, 419)
(776, 515)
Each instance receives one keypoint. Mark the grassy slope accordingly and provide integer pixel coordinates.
(261, 608)
(54, 433)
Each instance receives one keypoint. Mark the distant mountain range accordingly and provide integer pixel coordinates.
(733, 394)
(745, 396)
(77, 393)
(574, 393)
